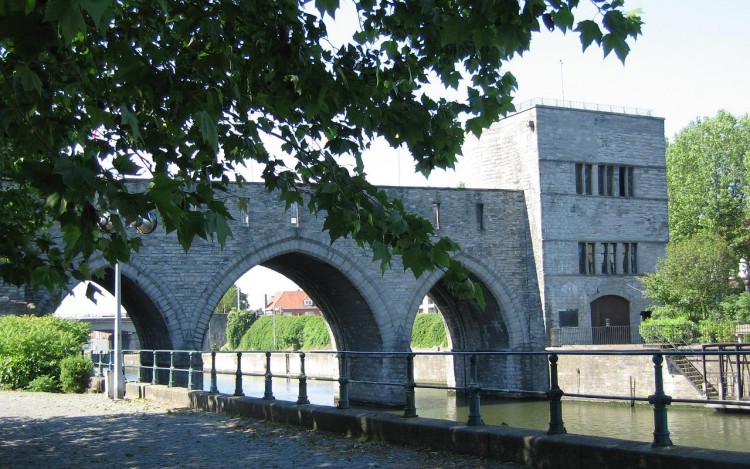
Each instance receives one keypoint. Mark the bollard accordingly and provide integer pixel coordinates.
(154, 370)
(475, 417)
(190, 371)
(660, 402)
(238, 376)
(268, 393)
(410, 407)
(555, 394)
(171, 369)
(213, 389)
(343, 381)
(302, 398)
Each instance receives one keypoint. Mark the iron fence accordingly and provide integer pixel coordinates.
(164, 366)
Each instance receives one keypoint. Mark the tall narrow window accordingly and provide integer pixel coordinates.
(582, 258)
(602, 180)
(436, 215)
(613, 258)
(242, 205)
(480, 216)
(605, 258)
(610, 179)
(583, 178)
(630, 258)
(586, 258)
(294, 209)
(627, 183)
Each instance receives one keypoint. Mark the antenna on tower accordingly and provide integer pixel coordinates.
(562, 82)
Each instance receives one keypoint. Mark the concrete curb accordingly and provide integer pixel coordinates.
(521, 446)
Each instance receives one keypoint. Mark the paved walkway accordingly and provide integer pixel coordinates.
(39, 430)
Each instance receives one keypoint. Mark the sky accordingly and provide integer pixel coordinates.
(692, 60)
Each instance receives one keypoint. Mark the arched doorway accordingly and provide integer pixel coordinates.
(610, 320)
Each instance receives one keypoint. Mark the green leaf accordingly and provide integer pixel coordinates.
(327, 6)
(131, 121)
(589, 32)
(68, 15)
(100, 11)
(29, 79)
(217, 223)
(207, 125)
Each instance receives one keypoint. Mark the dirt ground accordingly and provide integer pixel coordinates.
(40, 430)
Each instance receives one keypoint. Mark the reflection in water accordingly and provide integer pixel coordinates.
(688, 425)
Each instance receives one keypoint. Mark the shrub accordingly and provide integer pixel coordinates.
(315, 334)
(32, 346)
(44, 384)
(716, 331)
(291, 333)
(75, 374)
(238, 322)
(428, 331)
(668, 330)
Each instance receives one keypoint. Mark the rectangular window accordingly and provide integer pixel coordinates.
(627, 183)
(308, 302)
(612, 258)
(605, 258)
(436, 215)
(606, 179)
(480, 216)
(242, 205)
(630, 258)
(583, 178)
(586, 258)
(294, 209)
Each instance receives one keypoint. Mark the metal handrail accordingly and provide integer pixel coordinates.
(473, 387)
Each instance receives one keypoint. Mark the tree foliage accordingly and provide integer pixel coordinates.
(32, 346)
(228, 301)
(428, 331)
(93, 92)
(708, 171)
(238, 323)
(291, 332)
(694, 278)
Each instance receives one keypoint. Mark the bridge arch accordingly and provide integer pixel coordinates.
(153, 312)
(351, 305)
(491, 328)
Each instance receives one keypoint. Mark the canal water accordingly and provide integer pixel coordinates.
(689, 425)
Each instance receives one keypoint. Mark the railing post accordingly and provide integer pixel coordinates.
(141, 369)
(238, 376)
(171, 368)
(213, 389)
(302, 398)
(343, 381)
(190, 371)
(475, 417)
(101, 363)
(154, 370)
(555, 394)
(268, 393)
(410, 408)
(660, 402)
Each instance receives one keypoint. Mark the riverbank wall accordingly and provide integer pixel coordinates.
(519, 446)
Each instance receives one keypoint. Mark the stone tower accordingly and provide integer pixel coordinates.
(594, 179)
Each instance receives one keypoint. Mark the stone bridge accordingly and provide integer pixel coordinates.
(170, 294)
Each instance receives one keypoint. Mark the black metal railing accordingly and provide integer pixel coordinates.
(164, 366)
(643, 333)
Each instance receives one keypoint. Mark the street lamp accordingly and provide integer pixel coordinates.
(144, 225)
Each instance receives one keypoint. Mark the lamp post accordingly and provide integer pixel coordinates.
(144, 226)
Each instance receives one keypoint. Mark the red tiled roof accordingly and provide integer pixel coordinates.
(288, 300)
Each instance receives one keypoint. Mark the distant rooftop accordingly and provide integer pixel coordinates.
(584, 106)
